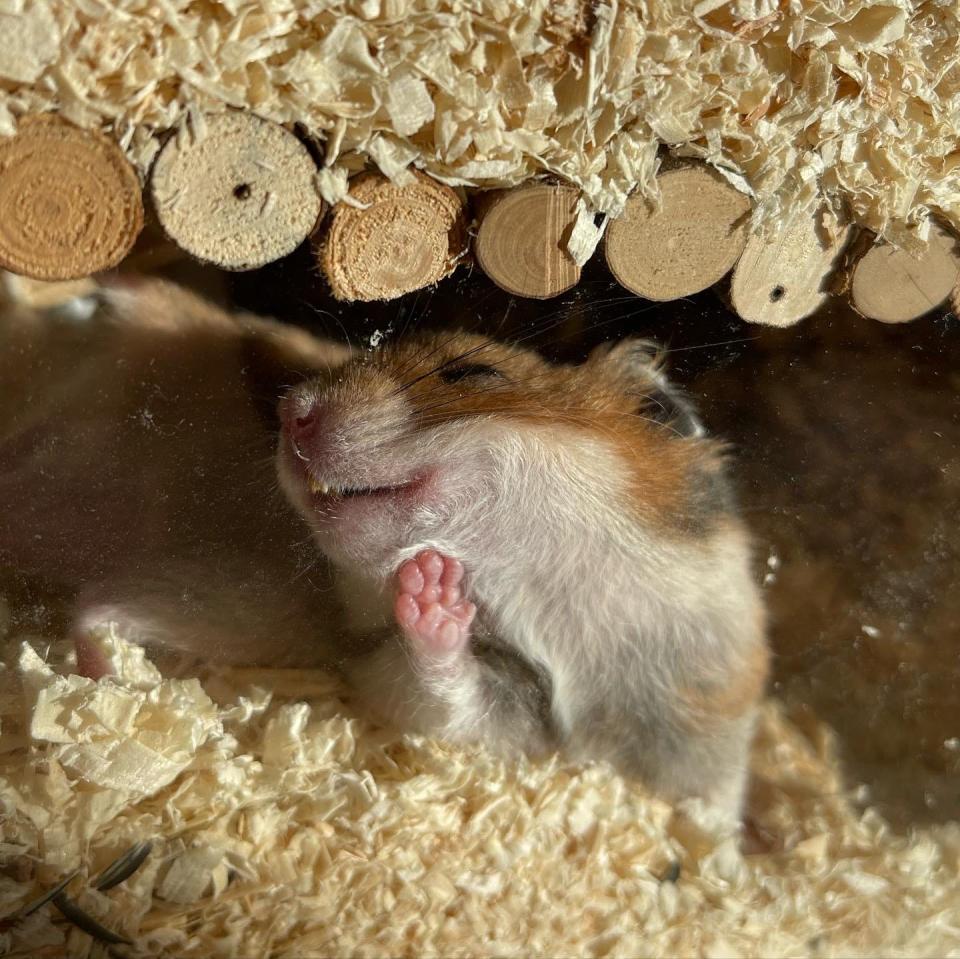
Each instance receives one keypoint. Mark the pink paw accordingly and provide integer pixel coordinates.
(429, 604)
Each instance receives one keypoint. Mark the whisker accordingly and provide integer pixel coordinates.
(316, 309)
(705, 346)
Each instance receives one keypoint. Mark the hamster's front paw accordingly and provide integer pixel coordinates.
(430, 606)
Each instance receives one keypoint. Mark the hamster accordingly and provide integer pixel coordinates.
(536, 557)
(137, 446)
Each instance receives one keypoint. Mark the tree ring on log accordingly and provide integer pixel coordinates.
(521, 243)
(892, 286)
(781, 279)
(396, 240)
(70, 202)
(241, 195)
(686, 245)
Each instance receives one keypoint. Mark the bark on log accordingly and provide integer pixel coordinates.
(892, 286)
(396, 240)
(239, 194)
(70, 202)
(521, 241)
(688, 244)
(782, 279)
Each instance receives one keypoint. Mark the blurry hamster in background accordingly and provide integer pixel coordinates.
(137, 446)
(528, 555)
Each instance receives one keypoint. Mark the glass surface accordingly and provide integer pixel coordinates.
(844, 438)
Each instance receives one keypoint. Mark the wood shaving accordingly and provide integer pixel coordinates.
(857, 101)
(28, 44)
(284, 825)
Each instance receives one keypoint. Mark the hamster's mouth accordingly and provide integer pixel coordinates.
(325, 494)
(333, 490)
(331, 498)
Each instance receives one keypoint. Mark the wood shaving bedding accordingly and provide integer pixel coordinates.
(858, 100)
(285, 826)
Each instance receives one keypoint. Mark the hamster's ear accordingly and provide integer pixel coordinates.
(640, 363)
(630, 356)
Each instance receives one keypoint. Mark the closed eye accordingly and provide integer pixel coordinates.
(454, 374)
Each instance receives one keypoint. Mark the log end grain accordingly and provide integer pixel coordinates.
(70, 202)
(687, 244)
(395, 240)
(239, 194)
(892, 286)
(781, 279)
(521, 242)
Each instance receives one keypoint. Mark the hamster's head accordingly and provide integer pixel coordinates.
(454, 440)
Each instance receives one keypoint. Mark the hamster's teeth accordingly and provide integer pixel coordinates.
(317, 487)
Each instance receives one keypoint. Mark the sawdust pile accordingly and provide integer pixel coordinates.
(858, 100)
(283, 826)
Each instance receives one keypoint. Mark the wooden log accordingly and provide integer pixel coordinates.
(396, 240)
(691, 242)
(521, 241)
(239, 194)
(892, 286)
(782, 279)
(70, 202)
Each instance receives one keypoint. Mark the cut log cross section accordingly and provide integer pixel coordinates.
(395, 240)
(521, 240)
(70, 203)
(687, 244)
(240, 195)
(893, 286)
(781, 278)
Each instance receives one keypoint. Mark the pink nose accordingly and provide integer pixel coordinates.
(304, 426)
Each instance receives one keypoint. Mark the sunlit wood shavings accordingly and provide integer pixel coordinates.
(586, 234)
(29, 41)
(295, 828)
(193, 874)
(859, 101)
(109, 735)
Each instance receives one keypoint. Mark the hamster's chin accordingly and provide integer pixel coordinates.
(366, 532)
(362, 511)
(361, 526)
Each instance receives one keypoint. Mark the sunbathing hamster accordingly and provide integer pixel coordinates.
(564, 564)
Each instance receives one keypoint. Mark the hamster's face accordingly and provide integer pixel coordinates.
(433, 439)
